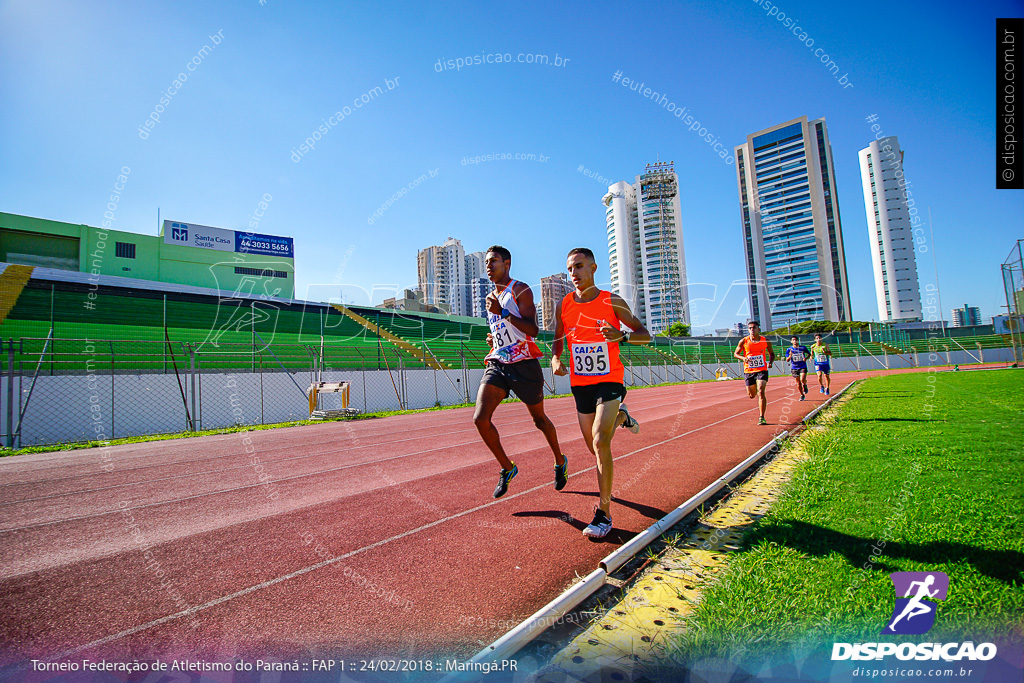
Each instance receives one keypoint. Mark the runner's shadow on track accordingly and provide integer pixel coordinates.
(1003, 565)
(616, 536)
(645, 510)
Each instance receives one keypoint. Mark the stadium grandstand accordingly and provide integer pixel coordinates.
(166, 344)
(49, 307)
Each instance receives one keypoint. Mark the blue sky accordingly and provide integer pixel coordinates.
(78, 80)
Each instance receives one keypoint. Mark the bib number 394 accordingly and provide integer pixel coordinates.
(590, 359)
(756, 362)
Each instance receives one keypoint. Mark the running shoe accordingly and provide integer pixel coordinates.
(762, 421)
(601, 525)
(826, 392)
(801, 397)
(821, 390)
(562, 474)
(629, 423)
(503, 479)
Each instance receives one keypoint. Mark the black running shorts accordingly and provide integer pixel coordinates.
(751, 377)
(525, 379)
(589, 396)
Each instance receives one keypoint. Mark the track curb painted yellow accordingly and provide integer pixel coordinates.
(640, 630)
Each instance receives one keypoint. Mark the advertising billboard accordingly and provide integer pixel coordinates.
(205, 237)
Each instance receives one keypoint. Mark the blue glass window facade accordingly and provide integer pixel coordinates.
(787, 226)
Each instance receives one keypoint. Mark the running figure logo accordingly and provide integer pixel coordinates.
(916, 592)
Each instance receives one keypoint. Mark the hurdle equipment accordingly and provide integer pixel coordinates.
(317, 388)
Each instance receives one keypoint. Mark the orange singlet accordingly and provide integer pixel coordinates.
(755, 354)
(593, 359)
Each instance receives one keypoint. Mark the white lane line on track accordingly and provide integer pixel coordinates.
(282, 479)
(351, 553)
(640, 410)
(84, 453)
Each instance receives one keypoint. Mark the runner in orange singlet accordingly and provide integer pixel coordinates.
(590, 321)
(757, 355)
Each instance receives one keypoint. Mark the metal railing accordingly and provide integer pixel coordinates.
(72, 390)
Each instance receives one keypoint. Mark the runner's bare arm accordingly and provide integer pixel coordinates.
(771, 353)
(526, 321)
(640, 335)
(558, 343)
(738, 353)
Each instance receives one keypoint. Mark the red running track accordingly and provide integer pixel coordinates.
(366, 538)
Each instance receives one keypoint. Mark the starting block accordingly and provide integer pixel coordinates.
(721, 373)
(317, 388)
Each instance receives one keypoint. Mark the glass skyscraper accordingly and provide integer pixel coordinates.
(793, 237)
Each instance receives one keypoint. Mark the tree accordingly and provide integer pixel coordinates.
(822, 326)
(676, 329)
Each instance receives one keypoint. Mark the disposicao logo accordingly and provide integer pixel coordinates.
(914, 614)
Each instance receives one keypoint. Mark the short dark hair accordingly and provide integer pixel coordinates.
(504, 253)
(581, 250)
(753, 322)
(795, 337)
(817, 334)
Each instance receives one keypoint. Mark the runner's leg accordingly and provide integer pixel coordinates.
(603, 430)
(587, 427)
(544, 424)
(762, 400)
(487, 400)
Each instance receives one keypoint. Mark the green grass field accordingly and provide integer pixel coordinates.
(920, 472)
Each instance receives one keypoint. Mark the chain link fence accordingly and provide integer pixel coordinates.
(74, 390)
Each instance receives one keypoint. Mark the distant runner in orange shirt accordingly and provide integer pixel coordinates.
(590, 321)
(757, 355)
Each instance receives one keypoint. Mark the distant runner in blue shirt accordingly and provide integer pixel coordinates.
(797, 355)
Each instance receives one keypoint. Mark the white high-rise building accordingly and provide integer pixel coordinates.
(442, 278)
(478, 285)
(966, 316)
(553, 289)
(890, 231)
(792, 234)
(646, 263)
